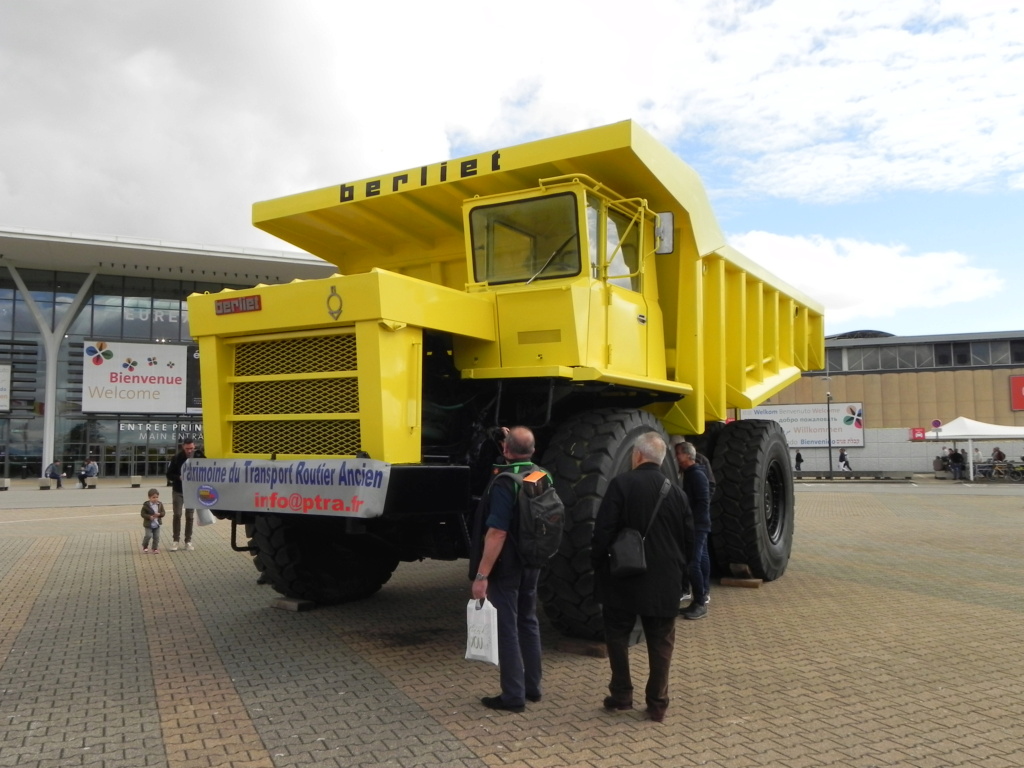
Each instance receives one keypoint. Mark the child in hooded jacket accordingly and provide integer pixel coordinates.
(152, 518)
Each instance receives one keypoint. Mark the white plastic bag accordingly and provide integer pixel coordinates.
(204, 516)
(482, 631)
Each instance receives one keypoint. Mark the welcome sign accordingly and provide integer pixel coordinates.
(134, 378)
(810, 425)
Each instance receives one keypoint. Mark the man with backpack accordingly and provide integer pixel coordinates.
(500, 574)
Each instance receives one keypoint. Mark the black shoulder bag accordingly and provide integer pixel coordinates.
(628, 557)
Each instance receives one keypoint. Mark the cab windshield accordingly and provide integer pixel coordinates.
(526, 240)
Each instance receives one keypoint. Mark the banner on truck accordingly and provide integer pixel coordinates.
(807, 425)
(336, 487)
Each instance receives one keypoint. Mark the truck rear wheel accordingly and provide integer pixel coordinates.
(752, 518)
(311, 559)
(585, 453)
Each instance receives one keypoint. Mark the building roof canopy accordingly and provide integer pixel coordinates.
(64, 252)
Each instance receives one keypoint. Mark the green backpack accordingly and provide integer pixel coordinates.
(540, 517)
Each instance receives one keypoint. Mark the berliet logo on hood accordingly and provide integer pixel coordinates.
(238, 304)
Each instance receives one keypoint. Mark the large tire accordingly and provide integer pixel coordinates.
(250, 535)
(311, 559)
(752, 518)
(584, 454)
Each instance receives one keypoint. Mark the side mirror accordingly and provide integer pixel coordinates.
(664, 232)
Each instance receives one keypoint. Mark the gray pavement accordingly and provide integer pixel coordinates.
(896, 638)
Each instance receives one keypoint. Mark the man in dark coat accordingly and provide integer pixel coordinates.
(653, 595)
(188, 449)
(698, 494)
(956, 464)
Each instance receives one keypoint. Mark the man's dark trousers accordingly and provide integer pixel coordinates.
(660, 632)
(514, 595)
(700, 568)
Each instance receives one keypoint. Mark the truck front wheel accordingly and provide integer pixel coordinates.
(310, 558)
(586, 452)
(752, 516)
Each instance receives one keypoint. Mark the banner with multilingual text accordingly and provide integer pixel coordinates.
(335, 487)
(810, 425)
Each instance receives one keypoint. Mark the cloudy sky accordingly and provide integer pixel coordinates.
(870, 152)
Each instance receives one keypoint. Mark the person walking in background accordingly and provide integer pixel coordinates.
(152, 518)
(653, 595)
(844, 460)
(799, 461)
(511, 586)
(188, 448)
(698, 495)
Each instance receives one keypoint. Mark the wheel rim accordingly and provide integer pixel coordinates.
(774, 502)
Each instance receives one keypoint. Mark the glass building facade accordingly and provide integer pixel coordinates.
(117, 308)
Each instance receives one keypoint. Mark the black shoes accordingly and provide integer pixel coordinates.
(656, 715)
(695, 611)
(495, 702)
(534, 699)
(616, 706)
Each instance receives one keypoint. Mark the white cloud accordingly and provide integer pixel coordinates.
(168, 120)
(861, 281)
(822, 101)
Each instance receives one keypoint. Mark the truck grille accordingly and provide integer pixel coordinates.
(309, 396)
(314, 391)
(310, 354)
(304, 438)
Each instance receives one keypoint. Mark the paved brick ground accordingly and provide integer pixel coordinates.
(896, 638)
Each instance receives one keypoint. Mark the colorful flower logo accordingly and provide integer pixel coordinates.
(151, 361)
(854, 416)
(130, 364)
(170, 363)
(98, 353)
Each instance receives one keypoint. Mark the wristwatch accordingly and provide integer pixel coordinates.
(481, 577)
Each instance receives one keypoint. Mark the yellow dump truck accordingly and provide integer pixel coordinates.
(579, 285)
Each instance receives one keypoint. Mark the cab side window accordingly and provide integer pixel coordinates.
(623, 251)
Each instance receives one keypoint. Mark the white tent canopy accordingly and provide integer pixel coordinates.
(962, 428)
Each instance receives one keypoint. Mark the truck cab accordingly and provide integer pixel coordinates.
(572, 272)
